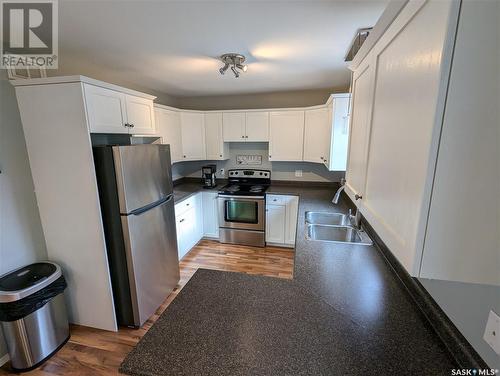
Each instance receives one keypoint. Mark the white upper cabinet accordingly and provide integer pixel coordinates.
(286, 135)
(326, 133)
(193, 136)
(234, 126)
(111, 111)
(216, 148)
(246, 126)
(339, 138)
(257, 126)
(140, 115)
(317, 135)
(360, 128)
(399, 90)
(106, 110)
(168, 127)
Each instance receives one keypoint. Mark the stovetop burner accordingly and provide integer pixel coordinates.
(256, 188)
(232, 188)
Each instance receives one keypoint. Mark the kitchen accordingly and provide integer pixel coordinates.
(175, 195)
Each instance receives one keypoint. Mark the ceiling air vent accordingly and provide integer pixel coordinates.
(357, 42)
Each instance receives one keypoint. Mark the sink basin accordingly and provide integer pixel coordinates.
(337, 234)
(324, 218)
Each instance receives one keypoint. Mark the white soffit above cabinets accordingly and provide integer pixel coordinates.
(172, 46)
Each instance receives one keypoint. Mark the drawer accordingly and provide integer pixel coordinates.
(185, 205)
(277, 199)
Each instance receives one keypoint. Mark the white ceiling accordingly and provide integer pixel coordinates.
(172, 46)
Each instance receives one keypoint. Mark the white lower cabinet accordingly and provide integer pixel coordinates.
(281, 220)
(210, 215)
(195, 218)
(275, 223)
(189, 223)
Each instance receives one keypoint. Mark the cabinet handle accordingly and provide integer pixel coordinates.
(220, 155)
(275, 200)
(246, 136)
(357, 197)
(184, 156)
(182, 220)
(126, 125)
(242, 136)
(187, 204)
(131, 125)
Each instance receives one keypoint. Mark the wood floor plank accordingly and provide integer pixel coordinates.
(97, 352)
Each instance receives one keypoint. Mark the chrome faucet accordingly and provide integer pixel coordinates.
(335, 199)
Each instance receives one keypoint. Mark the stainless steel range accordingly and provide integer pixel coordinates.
(242, 207)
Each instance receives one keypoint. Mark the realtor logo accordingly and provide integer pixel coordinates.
(29, 34)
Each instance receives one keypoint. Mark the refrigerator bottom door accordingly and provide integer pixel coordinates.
(152, 261)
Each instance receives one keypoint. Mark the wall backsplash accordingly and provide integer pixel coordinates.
(279, 170)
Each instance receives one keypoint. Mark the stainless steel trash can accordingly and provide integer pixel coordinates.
(33, 313)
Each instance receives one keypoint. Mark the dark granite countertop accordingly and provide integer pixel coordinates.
(183, 191)
(358, 283)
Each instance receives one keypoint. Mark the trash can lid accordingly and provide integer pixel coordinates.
(27, 280)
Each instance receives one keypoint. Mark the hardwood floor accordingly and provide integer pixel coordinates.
(98, 352)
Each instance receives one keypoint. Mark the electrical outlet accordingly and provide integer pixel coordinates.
(298, 173)
(222, 172)
(492, 332)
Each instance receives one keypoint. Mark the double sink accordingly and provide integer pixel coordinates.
(334, 227)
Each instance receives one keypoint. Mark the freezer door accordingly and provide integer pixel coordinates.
(143, 175)
(152, 261)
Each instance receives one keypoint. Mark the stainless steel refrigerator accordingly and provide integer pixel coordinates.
(136, 195)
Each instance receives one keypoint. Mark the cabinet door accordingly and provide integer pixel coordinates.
(275, 223)
(105, 110)
(213, 136)
(193, 136)
(292, 209)
(140, 115)
(168, 127)
(340, 134)
(286, 135)
(257, 126)
(317, 135)
(180, 223)
(198, 213)
(360, 129)
(233, 126)
(210, 215)
(189, 233)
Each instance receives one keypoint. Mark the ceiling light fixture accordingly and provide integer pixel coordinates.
(235, 61)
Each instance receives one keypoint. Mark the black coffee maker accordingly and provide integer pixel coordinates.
(208, 176)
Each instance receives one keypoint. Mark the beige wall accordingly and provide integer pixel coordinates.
(21, 236)
(259, 100)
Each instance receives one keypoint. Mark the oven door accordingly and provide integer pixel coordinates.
(241, 212)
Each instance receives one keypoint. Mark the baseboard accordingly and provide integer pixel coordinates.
(286, 247)
(4, 359)
(460, 349)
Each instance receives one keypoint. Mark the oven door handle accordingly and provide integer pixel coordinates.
(241, 198)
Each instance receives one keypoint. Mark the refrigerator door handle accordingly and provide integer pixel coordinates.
(146, 208)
